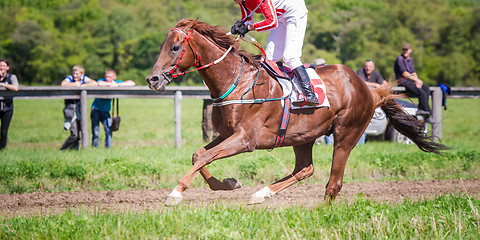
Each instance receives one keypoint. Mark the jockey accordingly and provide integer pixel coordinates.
(287, 22)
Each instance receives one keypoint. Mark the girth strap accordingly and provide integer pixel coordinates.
(282, 129)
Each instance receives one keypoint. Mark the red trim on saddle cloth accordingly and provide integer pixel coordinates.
(317, 84)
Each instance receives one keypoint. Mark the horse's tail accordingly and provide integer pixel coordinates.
(404, 122)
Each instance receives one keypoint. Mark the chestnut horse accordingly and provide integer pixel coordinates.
(232, 74)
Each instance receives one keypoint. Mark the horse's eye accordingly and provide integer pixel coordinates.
(175, 48)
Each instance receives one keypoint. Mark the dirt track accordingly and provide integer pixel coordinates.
(304, 194)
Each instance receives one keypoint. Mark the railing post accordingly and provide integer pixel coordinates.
(178, 118)
(437, 112)
(84, 120)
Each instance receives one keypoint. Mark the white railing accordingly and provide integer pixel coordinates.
(177, 93)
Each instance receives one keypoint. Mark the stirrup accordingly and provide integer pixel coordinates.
(299, 103)
(304, 102)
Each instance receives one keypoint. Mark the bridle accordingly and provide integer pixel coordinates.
(169, 76)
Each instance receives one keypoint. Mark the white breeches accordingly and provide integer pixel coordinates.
(286, 40)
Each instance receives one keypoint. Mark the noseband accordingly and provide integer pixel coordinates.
(169, 76)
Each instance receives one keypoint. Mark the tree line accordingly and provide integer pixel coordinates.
(43, 39)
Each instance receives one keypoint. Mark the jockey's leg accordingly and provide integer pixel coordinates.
(295, 33)
(276, 42)
(304, 82)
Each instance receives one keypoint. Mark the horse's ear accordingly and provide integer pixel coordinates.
(192, 23)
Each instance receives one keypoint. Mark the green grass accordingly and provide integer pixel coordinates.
(143, 156)
(446, 217)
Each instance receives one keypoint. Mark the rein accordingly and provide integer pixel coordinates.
(169, 76)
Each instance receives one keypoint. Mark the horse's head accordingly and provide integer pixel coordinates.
(176, 55)
(179, 51)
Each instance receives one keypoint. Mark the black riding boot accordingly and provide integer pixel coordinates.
(304, 82)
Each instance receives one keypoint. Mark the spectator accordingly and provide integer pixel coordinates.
(408, 78)
(71, 111)
(101, 108)
(370, 76)
(208, 130)
(373, 79)
(9, 82)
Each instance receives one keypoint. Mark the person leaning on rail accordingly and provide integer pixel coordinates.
(372, 78)
(9, 82)
(71, 112)
(101, 107)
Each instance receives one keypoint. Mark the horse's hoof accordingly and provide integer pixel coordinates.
(256, 200)
(174, 198)
(233, 183)
(173, 201)
(328, 199)
(260, 196)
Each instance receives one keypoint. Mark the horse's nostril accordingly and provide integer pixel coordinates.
(152, 79)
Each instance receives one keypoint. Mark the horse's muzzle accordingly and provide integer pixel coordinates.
(156, 84)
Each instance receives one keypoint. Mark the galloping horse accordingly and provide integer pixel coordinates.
(232, 74)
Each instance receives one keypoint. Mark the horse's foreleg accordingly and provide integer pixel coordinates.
(216, 185)
(233, 145)
(303, 169)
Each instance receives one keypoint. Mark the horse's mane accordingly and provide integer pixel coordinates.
(218, 35)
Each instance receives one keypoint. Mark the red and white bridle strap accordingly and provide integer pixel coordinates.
(197, 58)
(187, 39)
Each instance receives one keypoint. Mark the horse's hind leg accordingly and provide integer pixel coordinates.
(213, 183)
(303, 169)
(345, 139)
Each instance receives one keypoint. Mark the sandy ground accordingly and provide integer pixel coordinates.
(299, 194)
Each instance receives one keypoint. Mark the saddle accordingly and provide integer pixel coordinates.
(284, 75)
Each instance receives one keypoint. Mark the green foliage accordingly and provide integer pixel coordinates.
(249, 169)
(44, 39)
(76, 171)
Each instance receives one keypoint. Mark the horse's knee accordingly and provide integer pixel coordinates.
(195, 157)
(197, 154)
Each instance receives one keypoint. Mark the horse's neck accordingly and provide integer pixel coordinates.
(220, 77)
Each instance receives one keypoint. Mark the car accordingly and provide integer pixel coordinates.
(380, 129)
